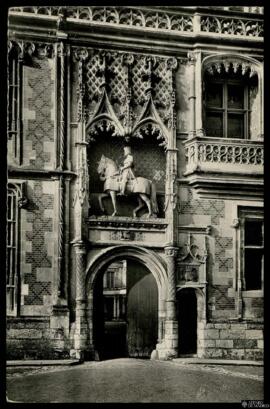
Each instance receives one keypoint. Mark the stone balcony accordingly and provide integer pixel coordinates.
(225, 166)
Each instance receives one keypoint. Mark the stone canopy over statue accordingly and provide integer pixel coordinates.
(123, 181)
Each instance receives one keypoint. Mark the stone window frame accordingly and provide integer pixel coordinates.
(16, 191)
(225, 110)
(202, 61)
(250, 214)
(12, 261)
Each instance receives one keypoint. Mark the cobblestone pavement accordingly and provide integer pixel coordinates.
(130, 380)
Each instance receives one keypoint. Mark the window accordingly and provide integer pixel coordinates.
(110, 279)
(229, 102)
(12, 251)
(252, 240)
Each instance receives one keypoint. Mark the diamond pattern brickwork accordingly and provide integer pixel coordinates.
(214, 208)
(38, 258)
(221, 245)
(39, 126)
(220, 295)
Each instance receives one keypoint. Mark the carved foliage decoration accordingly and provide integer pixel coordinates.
(231, 65)
(130, 94)
(232, 26)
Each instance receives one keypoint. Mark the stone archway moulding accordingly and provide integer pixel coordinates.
(151, 260)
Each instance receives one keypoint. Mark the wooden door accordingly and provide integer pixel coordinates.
(142, 311)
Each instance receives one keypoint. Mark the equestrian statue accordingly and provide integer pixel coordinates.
(122, 181)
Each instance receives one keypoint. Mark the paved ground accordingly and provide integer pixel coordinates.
(135, 380)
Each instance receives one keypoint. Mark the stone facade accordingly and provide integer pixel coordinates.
(72, 99)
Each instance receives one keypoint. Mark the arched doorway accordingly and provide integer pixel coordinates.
(125, 310)
(187, 318)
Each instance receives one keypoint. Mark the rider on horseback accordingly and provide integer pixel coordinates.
(126, 170)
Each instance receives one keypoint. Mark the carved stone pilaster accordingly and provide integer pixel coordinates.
(61, 255)
(192, 94)
(171, 196)
(237, 267)
(170, 344)
(81, 327)
(171, 253)
(81, 55)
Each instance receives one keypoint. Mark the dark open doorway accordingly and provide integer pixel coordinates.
(125, 311)
(187, 321)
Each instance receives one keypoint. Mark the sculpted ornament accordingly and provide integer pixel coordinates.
(124, 182)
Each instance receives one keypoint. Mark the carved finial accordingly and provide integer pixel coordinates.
(62, 19)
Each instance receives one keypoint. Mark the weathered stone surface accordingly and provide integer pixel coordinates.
(211, 334)
(236, 327)
(213, 353)
(260, 344)
(224, 343)
(24, 333)
(222, 326)
(232, 334)
(244, 343)
(236, 354)
(257, 326)
(254, 334)
(254, 354)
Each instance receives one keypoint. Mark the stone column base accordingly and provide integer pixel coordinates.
(168, 348)
(59, 329)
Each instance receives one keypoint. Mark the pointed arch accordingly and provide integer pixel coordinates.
(104, 117)
(150, 116)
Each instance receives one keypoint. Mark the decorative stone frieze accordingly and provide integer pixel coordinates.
(147, 19)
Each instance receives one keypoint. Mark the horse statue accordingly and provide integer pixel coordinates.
(144, 188)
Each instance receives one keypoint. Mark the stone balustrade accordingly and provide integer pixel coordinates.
(206, 154)
(184, 20)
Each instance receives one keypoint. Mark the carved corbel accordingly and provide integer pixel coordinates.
(191, 57)
(236, 223)
(44, 50)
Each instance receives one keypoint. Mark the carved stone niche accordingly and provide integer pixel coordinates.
(191, 268)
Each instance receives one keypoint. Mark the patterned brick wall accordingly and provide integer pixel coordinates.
(38, 114)
(220, 261)
(213, 208)
(38, 245)
(221, 245)
(219, 296)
